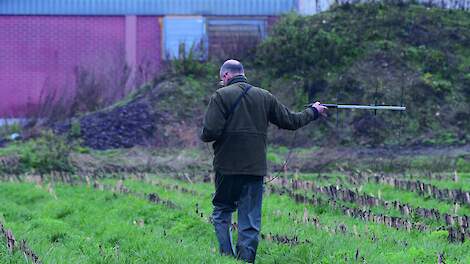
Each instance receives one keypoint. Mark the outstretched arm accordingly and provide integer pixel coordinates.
(214, 120)
(282, 117)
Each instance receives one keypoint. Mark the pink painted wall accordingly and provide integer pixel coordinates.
(149, 49)
(39, 52)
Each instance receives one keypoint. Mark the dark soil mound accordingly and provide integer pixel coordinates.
(151, 116)
(122, 127)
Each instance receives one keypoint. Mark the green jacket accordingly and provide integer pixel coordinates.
(240, 147)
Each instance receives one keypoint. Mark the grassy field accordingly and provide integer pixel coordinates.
(337, 204)
(115, 222)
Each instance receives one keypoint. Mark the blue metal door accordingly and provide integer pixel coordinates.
(189, 31)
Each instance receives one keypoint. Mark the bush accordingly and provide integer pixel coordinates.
(190, 63)
(378, 53)
(301, 45)
(49, 153)
(42, 155)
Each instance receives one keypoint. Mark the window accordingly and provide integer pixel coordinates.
(183, 33)
(234, 37)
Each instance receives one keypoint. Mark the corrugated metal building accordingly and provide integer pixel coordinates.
(148, 7)
(42, 42)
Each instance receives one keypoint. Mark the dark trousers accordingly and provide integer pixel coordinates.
(245, 193)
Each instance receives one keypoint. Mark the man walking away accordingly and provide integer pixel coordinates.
(237, 120)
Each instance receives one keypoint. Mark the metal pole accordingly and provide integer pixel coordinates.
(366, 107)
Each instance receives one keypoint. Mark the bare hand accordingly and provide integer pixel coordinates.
(322, 110)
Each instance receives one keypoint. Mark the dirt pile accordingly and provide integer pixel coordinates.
(124, 126)
(148, 117)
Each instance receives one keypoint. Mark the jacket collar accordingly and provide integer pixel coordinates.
(237, 79)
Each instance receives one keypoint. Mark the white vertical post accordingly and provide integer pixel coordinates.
(131, 40)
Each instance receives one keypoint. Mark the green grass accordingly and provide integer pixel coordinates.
(320, 179)
(463, 182)
(389, 193)
(276, 210)
(74, 225)
(81, 219)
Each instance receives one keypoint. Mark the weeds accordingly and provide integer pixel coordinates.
(48, 152)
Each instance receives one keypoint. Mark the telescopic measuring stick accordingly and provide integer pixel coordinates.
(366, 107)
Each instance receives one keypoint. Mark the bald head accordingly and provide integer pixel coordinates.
(230, 69)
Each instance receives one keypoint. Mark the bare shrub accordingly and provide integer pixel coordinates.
(145, 72)
(97, 84)
(51, 106)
